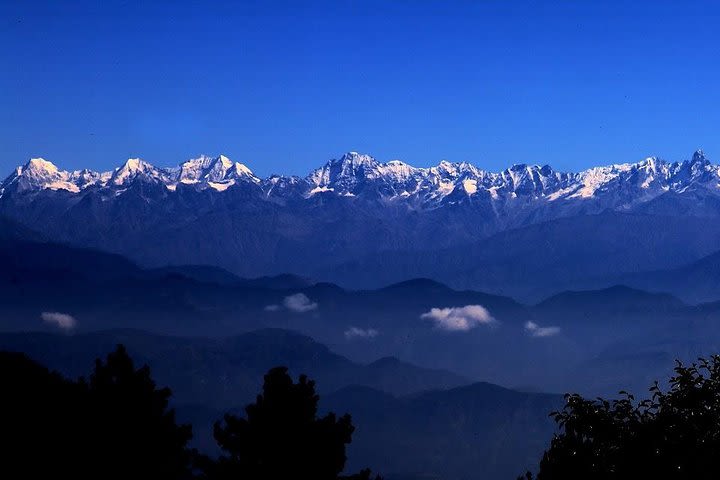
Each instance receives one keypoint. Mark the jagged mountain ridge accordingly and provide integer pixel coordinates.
(352, 210)
(357, 174)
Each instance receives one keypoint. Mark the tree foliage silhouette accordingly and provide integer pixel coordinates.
(115, 425)
(675, 434)
(282, 437)
(39, 410)
(131, 415)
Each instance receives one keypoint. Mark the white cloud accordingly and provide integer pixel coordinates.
(459, 319)
(537, 331)
(355, 332)
(61, 320)
(299, 303)
(272, 308)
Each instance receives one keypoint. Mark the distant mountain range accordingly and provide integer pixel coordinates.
(539, 347)
(528, 231)
(223, 373)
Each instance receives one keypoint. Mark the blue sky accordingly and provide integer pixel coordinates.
(284, 86)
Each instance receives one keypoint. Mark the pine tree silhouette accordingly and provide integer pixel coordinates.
(282, 437)
(130, 415)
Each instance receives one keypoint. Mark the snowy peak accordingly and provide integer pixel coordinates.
(699, 157)
(240, 170)
(450, 170)
(352, 164)
(700, 165)
(355, 158)
(215, 172)
(192, 170)
(40, 166)
(523, 179)
(344, 173)
(355, 173)
(38, 174)
(396, 170)
(135, 168)
(225, 161)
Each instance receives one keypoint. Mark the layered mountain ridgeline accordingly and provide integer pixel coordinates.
(695, 283)
(536, 261)
(46, 286)
(410, 421)
(225, 373)
(448, 434)
(528, 231)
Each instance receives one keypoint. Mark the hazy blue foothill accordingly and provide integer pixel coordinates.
(390, 355)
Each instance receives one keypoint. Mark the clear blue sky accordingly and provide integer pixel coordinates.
(284, 86)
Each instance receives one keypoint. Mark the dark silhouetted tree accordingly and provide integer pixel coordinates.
(39, 420)
(116, 425)
(130, 418)
(282, 436)
(673, 435)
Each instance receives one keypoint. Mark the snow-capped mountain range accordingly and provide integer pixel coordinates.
(364, 223)
(356, 174)
(206, 172)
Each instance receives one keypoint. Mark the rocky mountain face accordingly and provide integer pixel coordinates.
(215, 211)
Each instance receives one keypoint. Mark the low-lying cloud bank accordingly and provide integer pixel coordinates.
(298, 303)
(537, 331)
(459, 319)
(355, 332)
(61, 320)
